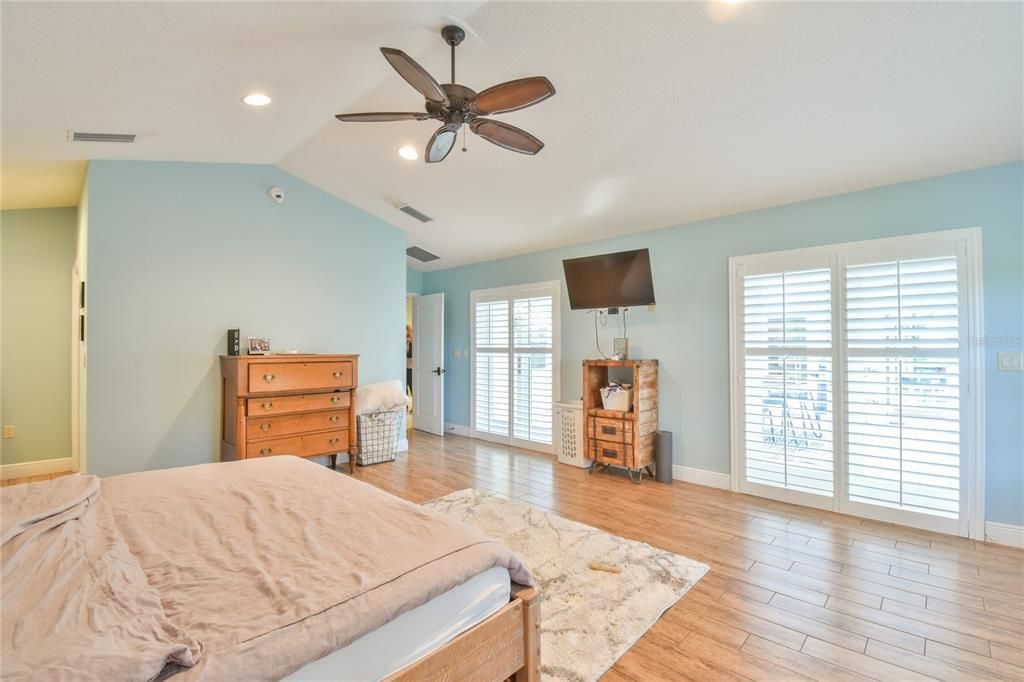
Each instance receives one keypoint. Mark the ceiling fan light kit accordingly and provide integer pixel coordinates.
(456, 105)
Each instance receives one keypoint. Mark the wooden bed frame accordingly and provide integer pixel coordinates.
(507, 644)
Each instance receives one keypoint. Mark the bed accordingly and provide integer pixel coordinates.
(259, 569)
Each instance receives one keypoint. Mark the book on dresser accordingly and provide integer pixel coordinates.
(289, 405)
(621, 438)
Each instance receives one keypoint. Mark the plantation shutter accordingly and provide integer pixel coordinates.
(903, 384)
(514, 361)
(533, 369)
(787, 380)
(491, 363)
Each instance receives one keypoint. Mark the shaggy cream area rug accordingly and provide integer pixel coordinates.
(589, 618)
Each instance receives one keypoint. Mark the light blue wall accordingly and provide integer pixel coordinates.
(688, 332)
(179, 253)
(413, 280)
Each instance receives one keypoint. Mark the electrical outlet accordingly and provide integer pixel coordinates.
(1010, 362)
(8, 430)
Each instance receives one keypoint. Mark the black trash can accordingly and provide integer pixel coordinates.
(663, 456)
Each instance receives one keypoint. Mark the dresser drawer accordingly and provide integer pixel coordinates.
(616, 454)
(283, 404)
(611, 430)
(274, 377)
(286, 425)
(327, 443)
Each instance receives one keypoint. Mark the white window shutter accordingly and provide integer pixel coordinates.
(903, 384)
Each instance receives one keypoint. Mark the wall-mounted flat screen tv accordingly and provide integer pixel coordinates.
(611, 280)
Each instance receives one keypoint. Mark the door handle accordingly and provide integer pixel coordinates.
(438, 371)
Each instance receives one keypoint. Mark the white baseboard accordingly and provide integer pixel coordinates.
(457, 429)
(1004, 534)
(712, 479)
(40, 468)
(403, 445)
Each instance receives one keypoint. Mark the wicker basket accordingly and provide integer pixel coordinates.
(378, 436)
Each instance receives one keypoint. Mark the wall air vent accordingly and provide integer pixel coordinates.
(409, 210)
(81, 136)
(422, 255)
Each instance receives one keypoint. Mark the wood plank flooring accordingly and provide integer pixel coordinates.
(32, 479)
(793, 593)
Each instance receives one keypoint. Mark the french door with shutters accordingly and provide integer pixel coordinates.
(854, 387)
(514, 364)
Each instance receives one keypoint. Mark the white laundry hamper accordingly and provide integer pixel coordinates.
(569, 433)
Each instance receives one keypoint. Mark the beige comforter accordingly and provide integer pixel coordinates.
(269, 564)
(74, 603)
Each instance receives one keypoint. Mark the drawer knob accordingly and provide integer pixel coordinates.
(266, 406)
(336, 399)
(266, 451)
(337, 375)
(609, 453)
(268, 377)
(608, 429)
(264, 427)
(333, 441)
(333, 418)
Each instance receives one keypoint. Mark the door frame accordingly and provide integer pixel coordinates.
(77, 351)
(554, 287)
(972, 396)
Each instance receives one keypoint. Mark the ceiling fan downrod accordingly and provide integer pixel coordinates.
(453, 35)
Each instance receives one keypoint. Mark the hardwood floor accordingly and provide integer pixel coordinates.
(32, 479)
(793, 593)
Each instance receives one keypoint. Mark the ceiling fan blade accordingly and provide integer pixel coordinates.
(506, 136)
(415, 75)
(513, 95)
(384, 116)
(441, 142)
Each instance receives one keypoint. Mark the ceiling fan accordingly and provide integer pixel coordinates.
(457, 105)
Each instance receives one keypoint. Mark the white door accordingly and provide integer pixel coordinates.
(428, 363)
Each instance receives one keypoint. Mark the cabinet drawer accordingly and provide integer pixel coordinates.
(326, 443)
(611, 430)
(283, 404)
(610, 453)
(274, 377)
(271, 427)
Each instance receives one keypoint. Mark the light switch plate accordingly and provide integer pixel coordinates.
(8, 431)
(1010, 362)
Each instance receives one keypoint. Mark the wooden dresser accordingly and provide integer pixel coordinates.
(288, 405)
(621, 438)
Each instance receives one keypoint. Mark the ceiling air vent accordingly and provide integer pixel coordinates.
(409, 210)
(81, 136)
(422, 255)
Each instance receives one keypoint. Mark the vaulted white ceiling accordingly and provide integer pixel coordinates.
(665, 112)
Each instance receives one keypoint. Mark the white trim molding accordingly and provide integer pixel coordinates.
(711, 479)
(403, 445)
(40, 468)
(1004, 534)
(458, 430)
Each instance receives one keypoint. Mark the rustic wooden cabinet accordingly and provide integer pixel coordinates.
(616, 437)
(288, 405)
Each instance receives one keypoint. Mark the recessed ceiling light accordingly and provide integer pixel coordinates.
(256, 99)
(408, 152)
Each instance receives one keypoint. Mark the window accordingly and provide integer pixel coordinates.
(515, 363)
(852, 376)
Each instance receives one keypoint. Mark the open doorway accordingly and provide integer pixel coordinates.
(409, 360)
